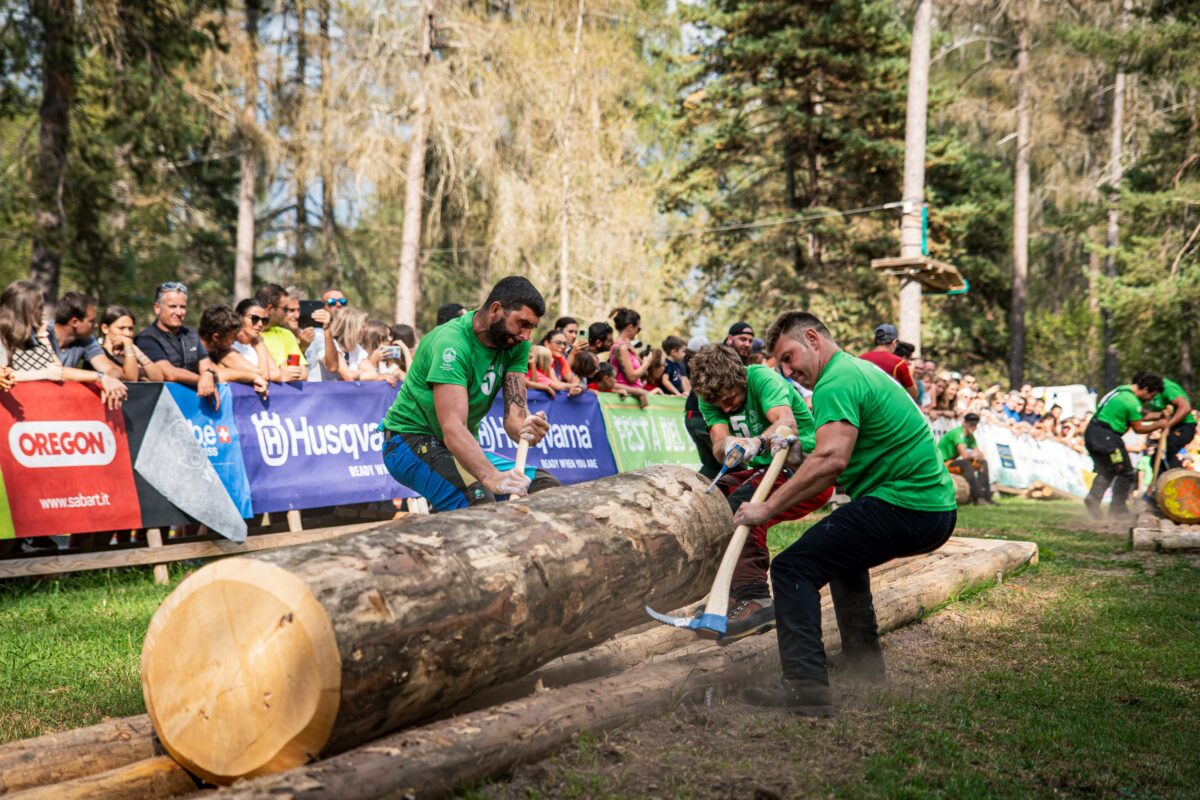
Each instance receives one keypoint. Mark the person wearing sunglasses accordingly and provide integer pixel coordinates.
(174, 347)
(282, 344)
(249, 343)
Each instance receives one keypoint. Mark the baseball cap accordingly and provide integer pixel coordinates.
(696, 342)
(738, 328)
(886, 333)
(757, 346)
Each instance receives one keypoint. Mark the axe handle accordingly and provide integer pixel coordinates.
(522, 454)
(718, 596)
(1162, 443)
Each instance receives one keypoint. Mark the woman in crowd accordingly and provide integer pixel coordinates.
(388, 354)
(219, 329)
(630, 369)
(249, 343)
(947, 402)
(570, 328)
(25, 351)
(557, 342)
(340, 355)
(116, 337)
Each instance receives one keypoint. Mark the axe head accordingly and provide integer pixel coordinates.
(711, 626)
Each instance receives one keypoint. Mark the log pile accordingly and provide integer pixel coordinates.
(660, 667)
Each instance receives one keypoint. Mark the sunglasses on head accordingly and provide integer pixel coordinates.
(336, 301)
(172, 286)
(255, 319)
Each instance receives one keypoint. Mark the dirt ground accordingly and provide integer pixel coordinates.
(725, 749)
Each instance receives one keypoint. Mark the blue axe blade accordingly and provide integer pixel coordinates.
(709, 622)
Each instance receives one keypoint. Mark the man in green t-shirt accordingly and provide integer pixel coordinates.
(961, 455)
(746, 406)
(1182, 421)
(1118, 411)
(874, 442)
(430, 431)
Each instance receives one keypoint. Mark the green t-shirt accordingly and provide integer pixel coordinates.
(1118, 409)
(451, 353)
(765, 389)
(948, 444)
(894, 456)
(1170, 393)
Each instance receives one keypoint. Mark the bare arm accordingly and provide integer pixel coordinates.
(102, 363)
(1183, 407)
(450, 404)
(1141, 426)
(516, 407)
(175, 374)
(835, 444)
(625, 364)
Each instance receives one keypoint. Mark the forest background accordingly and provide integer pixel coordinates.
(693, 160)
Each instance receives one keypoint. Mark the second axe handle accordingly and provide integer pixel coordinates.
(718, 596)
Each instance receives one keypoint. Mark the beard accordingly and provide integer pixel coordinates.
(500, 337)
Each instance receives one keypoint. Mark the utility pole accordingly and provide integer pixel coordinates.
(1112, 231)
(408, 285)
(243, 258)
(911, 226)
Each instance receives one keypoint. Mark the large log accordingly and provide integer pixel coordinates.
(257, 664)
(150, 779)
(437, 759)
(59, 757)
(1178, 494)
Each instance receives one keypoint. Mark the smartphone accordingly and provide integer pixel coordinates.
(307, 307)
(393, 352)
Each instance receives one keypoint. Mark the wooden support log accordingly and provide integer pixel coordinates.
(436, 759)
(59, 757)
(150, 779)
(257, 664)
(962, 489)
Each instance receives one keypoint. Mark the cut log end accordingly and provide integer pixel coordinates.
(962, 489)
(241, 672)
(1178, 494)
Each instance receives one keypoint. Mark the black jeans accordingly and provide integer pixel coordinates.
(1180, 436)
(839, 550)
(976, 473)
(1112, 466)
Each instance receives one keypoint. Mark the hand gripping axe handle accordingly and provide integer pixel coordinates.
(712, 623)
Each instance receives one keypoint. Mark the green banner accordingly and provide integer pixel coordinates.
(641, 437)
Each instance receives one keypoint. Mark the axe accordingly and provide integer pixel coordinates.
(711, 624)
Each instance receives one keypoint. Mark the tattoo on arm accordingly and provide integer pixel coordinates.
(514, 392)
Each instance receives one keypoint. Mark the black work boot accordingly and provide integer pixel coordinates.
(862, 655)
(748, 617)
(803, 696)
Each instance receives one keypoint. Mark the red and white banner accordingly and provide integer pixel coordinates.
(66, 461)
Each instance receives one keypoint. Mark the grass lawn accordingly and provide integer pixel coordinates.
(1078, 677)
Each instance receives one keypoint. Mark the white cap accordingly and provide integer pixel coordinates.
(696, 342)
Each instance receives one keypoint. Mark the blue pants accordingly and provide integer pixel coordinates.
(425, 465)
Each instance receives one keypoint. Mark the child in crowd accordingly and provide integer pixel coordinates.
(540, 364)
(674, 380)
(605, 380)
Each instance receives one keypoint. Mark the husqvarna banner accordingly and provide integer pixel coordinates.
(66, 463)
(314, 444)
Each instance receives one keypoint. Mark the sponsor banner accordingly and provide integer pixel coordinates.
(314, 444)
(216, 436)
(70, 458)
(575, 449)
(654, 435)
(1018, 461)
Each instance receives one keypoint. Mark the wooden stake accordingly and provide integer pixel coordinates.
(154, 540)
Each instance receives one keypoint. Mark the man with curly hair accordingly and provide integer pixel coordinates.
(746, 406)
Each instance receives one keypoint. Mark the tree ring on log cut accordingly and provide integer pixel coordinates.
(1178, 495)
(245, 669)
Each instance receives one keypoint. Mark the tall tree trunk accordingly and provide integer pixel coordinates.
(408, 284)
(243, 268)
(1112, 232)
(299, 134)
(564, 258)
(915, 124)
(330, 262)
(1016, 366)
(57, 19)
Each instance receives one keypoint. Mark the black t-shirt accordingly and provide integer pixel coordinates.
(676, 372)
(182, 349)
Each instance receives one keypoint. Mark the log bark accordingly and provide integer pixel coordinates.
(149, 779)
(962, 489)
(1177, 493)
(59, 757)
(436, 759)
(257, 664)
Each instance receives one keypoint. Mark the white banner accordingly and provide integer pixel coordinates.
(1018, 461)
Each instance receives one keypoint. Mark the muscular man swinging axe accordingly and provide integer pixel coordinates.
(743, 407)
(872, 440)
